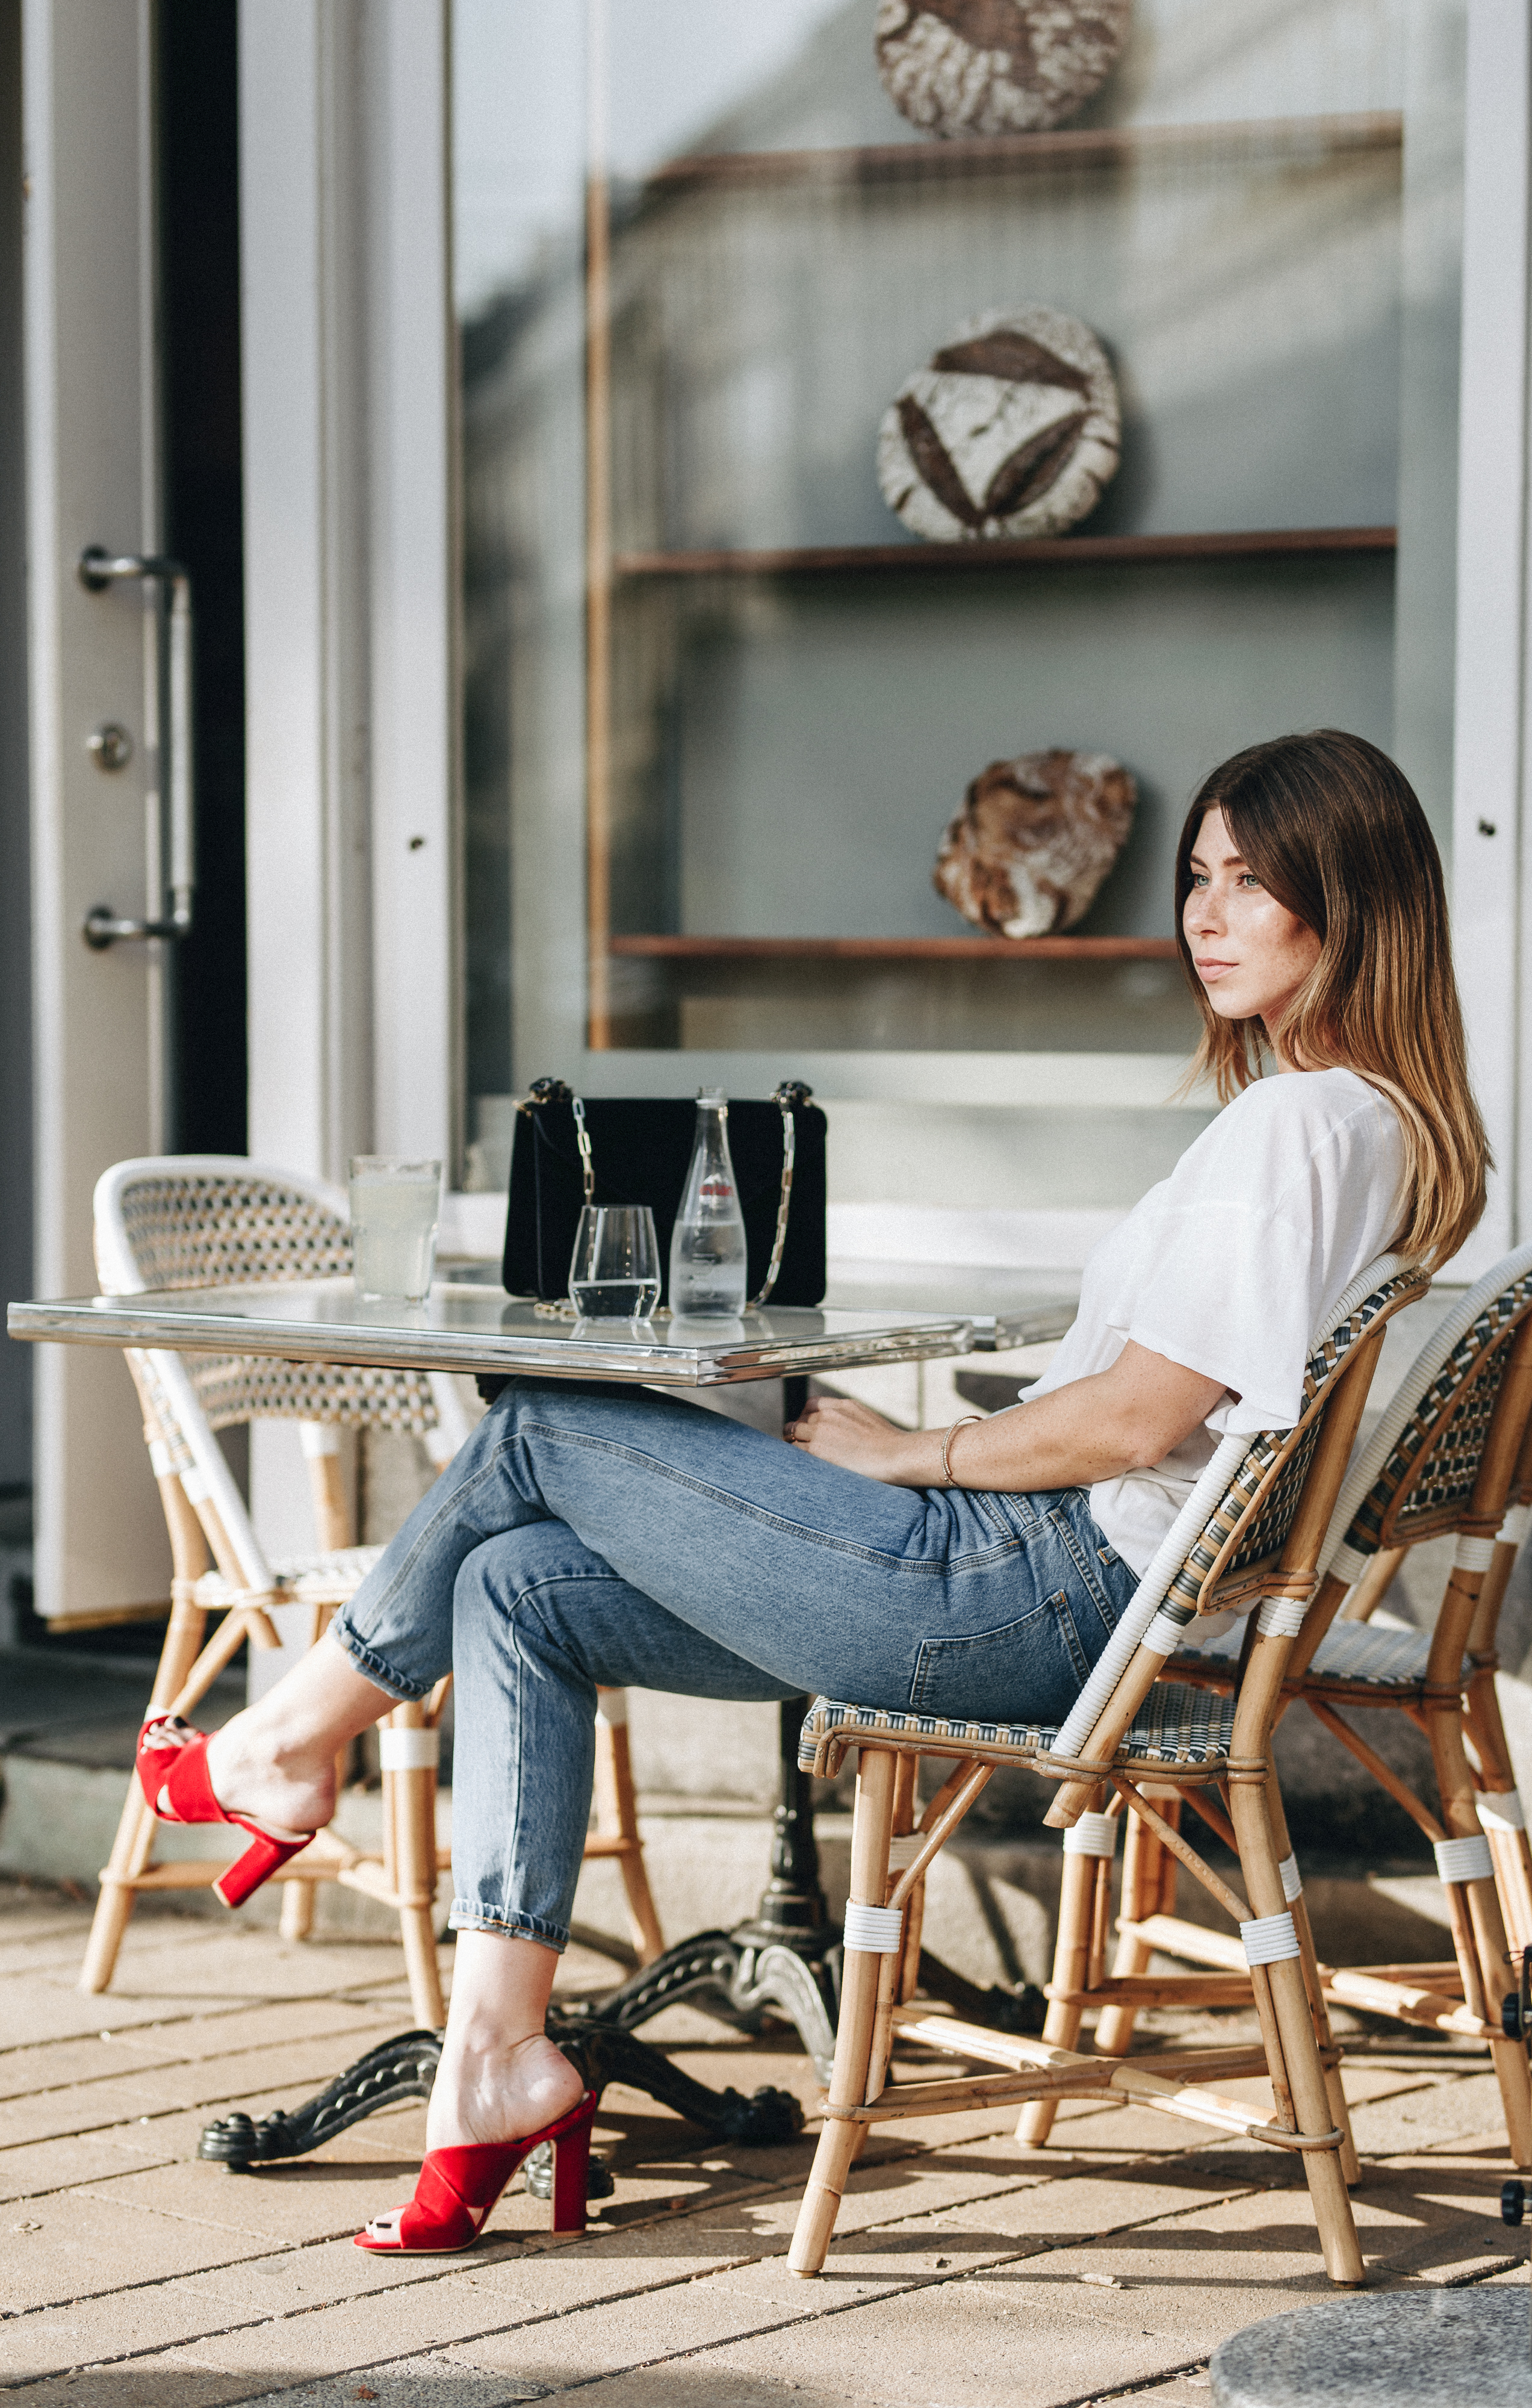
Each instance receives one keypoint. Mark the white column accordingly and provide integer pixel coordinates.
(308, 835)
(1489, 746)
(350, 553)
(411, 363)
(349, 558)
(305, 478)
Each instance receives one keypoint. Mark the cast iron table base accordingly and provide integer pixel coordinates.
(786, 1961)
(406, 2068)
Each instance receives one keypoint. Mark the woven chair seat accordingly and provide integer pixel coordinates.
(1359, 1654)
(330, 1579)
(1374, 1653)
(1175, 1726)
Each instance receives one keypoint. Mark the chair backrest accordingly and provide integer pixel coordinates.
(190, 1221)
(1414, 1477)
(211, 1220)
(1225, 1547)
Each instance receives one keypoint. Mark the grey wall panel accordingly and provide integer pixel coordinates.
(827, 734)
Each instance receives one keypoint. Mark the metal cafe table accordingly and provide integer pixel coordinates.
(786, 1958)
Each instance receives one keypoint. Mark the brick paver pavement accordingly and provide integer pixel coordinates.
(964, 2275)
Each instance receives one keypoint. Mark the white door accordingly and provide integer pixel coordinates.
(93, 475)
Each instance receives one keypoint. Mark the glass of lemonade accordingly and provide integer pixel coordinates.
(614, 1273)
(395, 1206)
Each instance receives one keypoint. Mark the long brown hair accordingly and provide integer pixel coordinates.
(1334, 830)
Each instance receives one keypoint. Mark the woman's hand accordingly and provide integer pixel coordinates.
(840, 1430)
(1095, 1428)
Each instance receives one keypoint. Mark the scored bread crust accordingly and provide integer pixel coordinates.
(1013, 428)
(996, 66)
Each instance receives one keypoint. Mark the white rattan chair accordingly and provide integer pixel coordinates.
(1249, 1537)
(215, 1220)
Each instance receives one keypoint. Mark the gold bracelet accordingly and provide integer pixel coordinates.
(962, 1422)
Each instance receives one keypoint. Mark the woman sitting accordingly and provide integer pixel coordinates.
(590, 1535)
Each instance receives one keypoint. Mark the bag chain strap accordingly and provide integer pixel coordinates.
(785, 1097)
(582, 1139)
(783, 1101)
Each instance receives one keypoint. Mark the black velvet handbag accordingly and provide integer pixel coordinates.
(569, 1150)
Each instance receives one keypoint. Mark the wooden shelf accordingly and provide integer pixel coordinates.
(896, 949)
(1094, 146)
(1046, 551)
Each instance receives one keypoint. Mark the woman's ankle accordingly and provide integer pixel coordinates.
(499, 2092)
(253, 1773)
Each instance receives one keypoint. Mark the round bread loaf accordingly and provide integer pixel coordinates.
(1035, 839)
(996, 66)
(1012, 430)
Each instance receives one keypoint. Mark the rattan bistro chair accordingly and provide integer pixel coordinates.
(1452, 1455)
(214, 1220)
(1249, 1536)
(1501, 1808)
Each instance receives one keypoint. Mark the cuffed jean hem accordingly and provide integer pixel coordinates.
(375, 1668)
(509, 1923)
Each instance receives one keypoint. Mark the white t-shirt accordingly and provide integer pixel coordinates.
(1229, 1266)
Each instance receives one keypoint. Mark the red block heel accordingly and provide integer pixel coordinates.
(458, 2188)
(173, 1776)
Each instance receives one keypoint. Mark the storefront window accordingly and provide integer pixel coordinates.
(722, 698)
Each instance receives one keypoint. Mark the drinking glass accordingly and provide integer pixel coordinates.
(614, 1273)
(395, 1209)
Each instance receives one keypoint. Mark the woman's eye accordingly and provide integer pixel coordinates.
(1250, 879)
(1199, 878)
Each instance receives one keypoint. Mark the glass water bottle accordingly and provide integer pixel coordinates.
(708, 1246)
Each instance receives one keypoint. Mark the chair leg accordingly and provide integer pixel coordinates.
(1482, 1945)
(1510, 1849)
(297, 1917)
(1311, 2106)
(895, 1970)
(1071, 1965)
(298, 1898)
(1145, 1858)
(617, 1816)
(409, 1822)
(848, 2085)
(1508, 2056)
(329, 1490)
(130, 1855)
(1300, 2071)
(914, 1919)
(1512, 1860)
(1351, 2164)
(135, 1841)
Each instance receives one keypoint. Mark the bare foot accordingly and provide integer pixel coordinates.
(499, 2093)
(254, 1773)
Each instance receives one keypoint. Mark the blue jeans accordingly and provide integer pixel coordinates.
(590, 1536)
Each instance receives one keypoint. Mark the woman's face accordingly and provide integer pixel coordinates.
(1251, 952)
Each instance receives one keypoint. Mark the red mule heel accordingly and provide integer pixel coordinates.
(458, 2188)
(173, 1775)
